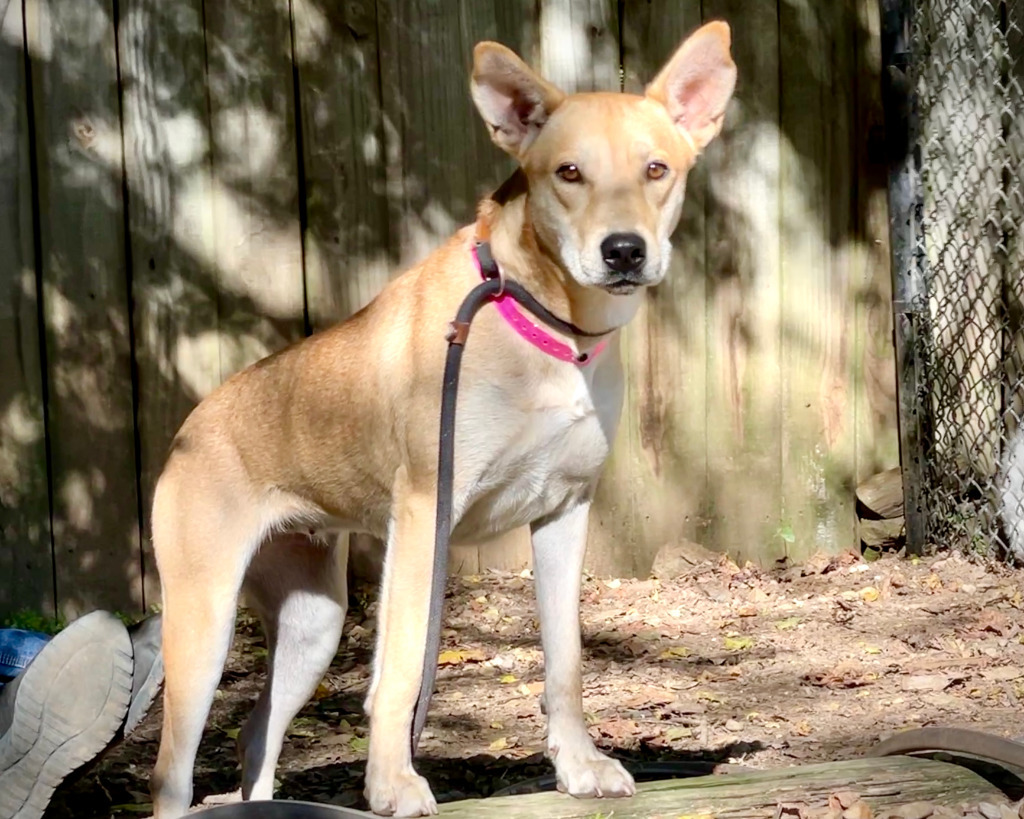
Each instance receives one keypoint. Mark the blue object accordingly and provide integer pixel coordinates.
(17, 648)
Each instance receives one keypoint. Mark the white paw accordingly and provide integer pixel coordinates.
(405, 793)
(589, 773)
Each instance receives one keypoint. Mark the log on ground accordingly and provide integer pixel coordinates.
(883, 783)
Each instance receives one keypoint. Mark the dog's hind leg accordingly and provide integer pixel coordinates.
(558, 548)
(203, 537)
(297, 585)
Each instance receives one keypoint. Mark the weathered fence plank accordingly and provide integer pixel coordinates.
(817, 422)
(875, 373)
(170, 219)
(576, 46)
(347, 258)
(85, 305)
(661, 499)
(744, 291)
(441, 160)
(255, 196)
(26, 557)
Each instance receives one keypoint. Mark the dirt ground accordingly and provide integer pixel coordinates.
(720, 664)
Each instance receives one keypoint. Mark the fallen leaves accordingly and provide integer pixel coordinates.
(620, 730)
(738, 643)
(869, 594)
(846, 674)
(926, 682)
(457, 656)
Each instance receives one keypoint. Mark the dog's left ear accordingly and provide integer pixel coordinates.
(513, 101)
(697, 82)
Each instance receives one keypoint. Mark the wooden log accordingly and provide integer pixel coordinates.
(881, 783)
(882, 534)
(880, 497)
(26, 553)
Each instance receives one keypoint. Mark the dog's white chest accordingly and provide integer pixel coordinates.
(523, 455)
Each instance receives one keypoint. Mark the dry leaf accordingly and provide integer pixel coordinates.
(1002, 674)
(457, 656)
(925, 682)
(858, 810)
(531, 689)
(619, 729)
(673, 652)
(738, 643)
(500, 744)
(649, 695)
(843, 799)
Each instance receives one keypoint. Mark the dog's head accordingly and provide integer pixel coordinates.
(607, 171)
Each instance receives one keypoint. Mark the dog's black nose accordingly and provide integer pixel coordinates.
(624, 252)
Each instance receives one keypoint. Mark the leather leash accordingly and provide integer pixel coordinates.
(493, 287)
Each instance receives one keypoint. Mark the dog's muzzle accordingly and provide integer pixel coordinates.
(625, 258)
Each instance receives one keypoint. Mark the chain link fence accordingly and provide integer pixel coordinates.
(959, 278)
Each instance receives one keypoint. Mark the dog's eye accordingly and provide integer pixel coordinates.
(656, 170)
(569, 173)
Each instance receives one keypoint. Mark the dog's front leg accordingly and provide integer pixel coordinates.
(393, 788)
(581, 769)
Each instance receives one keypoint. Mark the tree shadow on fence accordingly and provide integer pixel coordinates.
(254, 175)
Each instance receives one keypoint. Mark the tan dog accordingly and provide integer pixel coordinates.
(339, 432)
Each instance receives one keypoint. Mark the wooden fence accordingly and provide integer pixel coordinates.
(187, 186)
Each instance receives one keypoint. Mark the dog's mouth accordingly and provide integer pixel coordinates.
(621, 286)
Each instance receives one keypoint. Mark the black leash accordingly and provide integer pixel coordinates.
(491, 288)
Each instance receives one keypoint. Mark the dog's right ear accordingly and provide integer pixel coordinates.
(513, 101)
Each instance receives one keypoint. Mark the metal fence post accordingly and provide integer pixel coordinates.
(909, 303)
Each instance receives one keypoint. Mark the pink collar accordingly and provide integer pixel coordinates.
(535, 334)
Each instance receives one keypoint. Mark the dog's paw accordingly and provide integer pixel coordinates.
(404, 794)
(591, 774)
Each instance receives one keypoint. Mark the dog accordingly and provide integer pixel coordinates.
(338, 433)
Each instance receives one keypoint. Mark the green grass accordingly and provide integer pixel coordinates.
(35, 621)
(32, 620)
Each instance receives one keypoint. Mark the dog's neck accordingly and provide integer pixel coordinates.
(505, 216)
